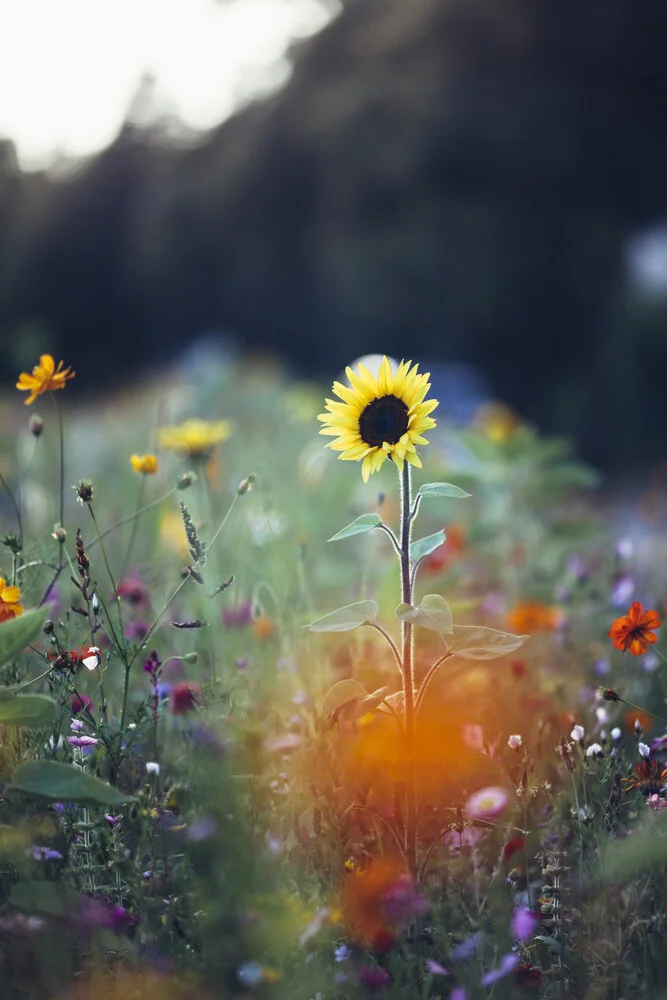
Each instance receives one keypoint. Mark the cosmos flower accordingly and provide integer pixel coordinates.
(379, 417)
(534, 616)
(636, 630)
(146, 465)
(45, 378)
(9, 598)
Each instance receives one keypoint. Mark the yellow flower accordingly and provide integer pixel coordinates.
(497, 422)
(9, 598)
(145, 464)
(45, 377)
(381, 417)
(194, 438)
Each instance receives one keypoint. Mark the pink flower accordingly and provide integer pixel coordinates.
(488, 803)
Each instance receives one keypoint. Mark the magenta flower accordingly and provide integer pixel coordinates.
(524, 923)
(372, 978)
(82, 741)
(238, 616)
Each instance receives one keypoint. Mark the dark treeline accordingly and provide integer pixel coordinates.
(449, 179)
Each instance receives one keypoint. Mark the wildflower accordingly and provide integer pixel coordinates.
(648, 776)
(45, 378)
(456, 840)
(194, 438)
(79, 703)
(524, 923)
(514, 742)
(466, 948)
(577, 734)
(488, 803)
(637, 722)
(644, 749)
(379, 417)
(655, 803)
(534, 616)
(435, 968)
(238, 615)
(146, 465)
(82, 741)
(372, 978)
(616, 734)
(608, 694)
(341, 953)
(636, 630)
(134, 591)
(36, 425)
(623, 590)
(473, 737)
(43, 853)
(507, 964)
(152, 767)
(263, 627)
(185, 697)
(659, 744)
(438, 560)
(153, 665)
(84, 491)
(9, 598)
(496, 421)
(594, 750)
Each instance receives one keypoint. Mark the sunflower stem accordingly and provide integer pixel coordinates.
(408, 675)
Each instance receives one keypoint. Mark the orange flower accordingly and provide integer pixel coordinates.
(45, 377)
(649, 777)
(534, 616)
(441, 558)
(263, 627)
(144, 464)
(636, 630)
(9, 598)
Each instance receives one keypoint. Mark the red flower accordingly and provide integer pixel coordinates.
(514, 846)
(185, 697)
(636, 630)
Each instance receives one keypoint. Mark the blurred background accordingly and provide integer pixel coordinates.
(480, 185)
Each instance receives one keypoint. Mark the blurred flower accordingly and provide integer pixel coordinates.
(137, 631)
(146, 465)
(438, 560)
(636, 630)
(488, 803)
(43, 853)
(659, 744)
(263, 627)
(514, 742)
(9, 598)
(373, 978)
(185, 697)
(650, 663)
(203, 828)
(466, 949)
(283, 743)
(577, 734)
(514, 846)
(134, 591)
(368, 898)
(238, 615)
(655, 803)
(435, 968)
(152, 767)
(636, 721)
(473, 737)
(379, 417)
(497, 422)
(524, 923)
(153, 665)
(622, 590)
(194, 438)
(527, 976)
(79, 703)
(594, 750)
(402, 901)
(45, 378)
(341, 953)
(649, 777)
(616, 733)
(644, 749)
(507, 964)
(456, 840)
(534, 616)
(458, 993)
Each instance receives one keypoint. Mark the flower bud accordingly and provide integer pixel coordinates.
(246, 484)
(608, 694)
(185, 481)
(36, 425)
(59, 534)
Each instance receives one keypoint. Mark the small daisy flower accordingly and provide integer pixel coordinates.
(488, 803)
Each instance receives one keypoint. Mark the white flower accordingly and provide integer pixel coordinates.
(152, 767)
(577, 734)
(644, 749)
(616, 733)
(514, 742)
(602, 715)
(594, 750)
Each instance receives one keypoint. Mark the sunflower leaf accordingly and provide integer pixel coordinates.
(432, 613)
(477, 642)
(57, 782)
(424, 546)
(17, 633)
(348, 700)
(362, 524)
(442, 490)
(347, 618)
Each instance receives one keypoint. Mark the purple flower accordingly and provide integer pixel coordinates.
(372, 978)
(43, 853)
(136, 631)
(202, 829)
(468, 837)
(623, 590)
(524, 923)
(465, 949)
(458, 993)
(659, 744)
(238, 616)
(435, 968)
(153, 665)
(112, 820)
(507, 963)
(402, 901)
(82, 741)
(242, 662)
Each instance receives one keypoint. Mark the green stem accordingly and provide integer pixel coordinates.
(135, 525)
(130, 517)
(408, 676)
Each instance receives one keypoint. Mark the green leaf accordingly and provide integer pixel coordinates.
(362, 524)
(57, 782)
(347, 618)
(424, 546)
(442, 490)
(26, 709)
(17, 633)
(477, 642)
(433, 614)
(349, 700)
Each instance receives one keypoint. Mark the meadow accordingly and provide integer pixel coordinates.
(277, 725)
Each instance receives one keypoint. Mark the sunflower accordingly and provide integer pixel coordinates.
(45, 377)
(9, 602)
(381, 417)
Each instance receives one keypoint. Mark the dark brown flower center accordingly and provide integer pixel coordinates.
(384, 419)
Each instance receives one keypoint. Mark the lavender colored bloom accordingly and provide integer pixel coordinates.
(435, 968)
(82, 741)
(625, 548)
(659, 744)
(342, 953)
(602, 667)
(136, 631)
(524, 923)
(649, 663)
(43, 853)
(202, 829)
(466, 949)
(458, 993)
(623, 590)
(507, 964)
(242, 662)
(402, 901)
(112, 820)
(76, 725)
(468, 837)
